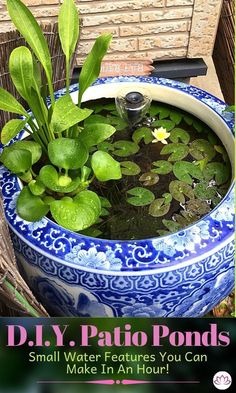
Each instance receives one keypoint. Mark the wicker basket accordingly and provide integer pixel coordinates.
(16, 299)
(224, 51)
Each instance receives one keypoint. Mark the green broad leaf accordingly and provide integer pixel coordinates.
(105, 146)
(163, 167)
(168, 197)
(11, 129)
(200, 149)
(16, 160)
(66, 114)
(125, 148)
(33, 147)
(167, 124)
(144, 133)
(105, 202)
(129, 168)
(160, 110)
(58, 183)
(91, 232)
(8, 103)
(204, 191)
(218, 171)
(185, 170)
(179, 190)
(37, 75)
(92, 64)
(68, 27)
(172, 226)
(21, 70)
(30, 30)
(178, 151)
(36, 187)
(90, 199)
(85, 173)
(67, 153)
(230, 108)
(158, 208)
(110, 107)
(149, 178)
(94, 119)
(176, 117)
(77, 214)
(188, 119)
(38, 107)
(93, 134)
(198, 125)
(105, 167)
(140, 196)
(177, 135)
(162, 232)
(31, 207)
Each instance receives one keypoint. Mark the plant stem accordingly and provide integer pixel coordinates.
(22, 300)
(67, 77)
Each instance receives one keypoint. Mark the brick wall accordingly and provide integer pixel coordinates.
(158, 29)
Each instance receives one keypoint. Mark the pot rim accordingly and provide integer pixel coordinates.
(199, 239)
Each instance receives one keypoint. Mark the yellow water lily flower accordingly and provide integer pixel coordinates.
(160, 135)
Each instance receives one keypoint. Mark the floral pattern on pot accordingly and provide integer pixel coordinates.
(182, 274)
(176, 293)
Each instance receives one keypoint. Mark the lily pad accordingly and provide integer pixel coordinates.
(198, 125)
(117, 122)
(125, 148)
(160, 110)
(171, 225)
(163, 167)
(144, 133)
(178, 151)
(105, 146)
(200, 149)
(158, 208)
(129, 168)
(212, 138)
(149, 178)
(179, 190)
(185, 170)
(168, 197)
(140, 196)
(217, 170)
(221, 150)
(167, 124)
(188, 119)
(177, 135)
(176, 117)
(204, 191)
(198, 207)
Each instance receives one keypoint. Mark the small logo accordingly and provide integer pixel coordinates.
(222, 380)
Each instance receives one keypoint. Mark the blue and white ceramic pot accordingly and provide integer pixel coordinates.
(184, 274)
